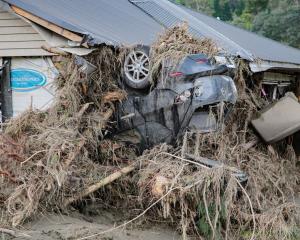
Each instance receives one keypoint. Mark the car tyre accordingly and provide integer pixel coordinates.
(137, 68)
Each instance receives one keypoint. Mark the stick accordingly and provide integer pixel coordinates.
(25, 161)
(251, 207)
(99, 185)
(207, 213)
(13, 233)
(250, 144)
(83, 109)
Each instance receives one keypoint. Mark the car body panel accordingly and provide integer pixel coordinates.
(163, 114)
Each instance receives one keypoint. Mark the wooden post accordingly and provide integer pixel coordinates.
(6, 92)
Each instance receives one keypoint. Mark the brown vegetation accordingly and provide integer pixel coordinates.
(51, 159)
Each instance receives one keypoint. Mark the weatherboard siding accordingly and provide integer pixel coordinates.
(19, 38)
(6, 16)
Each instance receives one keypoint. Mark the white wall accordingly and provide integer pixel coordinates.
(32, 82)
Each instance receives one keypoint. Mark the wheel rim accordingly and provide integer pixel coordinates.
(137, 66)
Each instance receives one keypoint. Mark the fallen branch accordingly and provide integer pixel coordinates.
(91, 189)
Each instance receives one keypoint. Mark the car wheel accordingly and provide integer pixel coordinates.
(137, 68)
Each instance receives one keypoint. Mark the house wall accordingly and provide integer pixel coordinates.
(32, 83)
(19, 38)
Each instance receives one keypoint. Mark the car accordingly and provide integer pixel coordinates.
(161, 110)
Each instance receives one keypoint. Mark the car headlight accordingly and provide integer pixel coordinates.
(199, 90)
(183, 97)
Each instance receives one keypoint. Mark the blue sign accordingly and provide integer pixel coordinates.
(25, 80)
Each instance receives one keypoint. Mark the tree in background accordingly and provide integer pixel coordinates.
(223, 9)
(281, 24)
(276, 19)
(256, 6)
(199, 5)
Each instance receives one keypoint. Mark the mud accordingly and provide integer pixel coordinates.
(79, 226)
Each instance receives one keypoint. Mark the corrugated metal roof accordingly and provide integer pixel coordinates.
(121, 22)
(259, 46)
(110, 21)
(169, 15)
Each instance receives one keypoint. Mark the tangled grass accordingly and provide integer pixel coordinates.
(175, 44)
(47, 157)
(210, 202)
(60, 147)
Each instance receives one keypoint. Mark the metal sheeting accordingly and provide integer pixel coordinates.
(261, 47)
(120, 22)
(110, 21)
(170, 15)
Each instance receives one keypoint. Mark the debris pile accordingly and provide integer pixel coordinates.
(57, 151)
(175, 44)
(212, 202)
(55, 158)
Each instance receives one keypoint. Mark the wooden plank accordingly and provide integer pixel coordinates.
(13, 23)
(53, 27)
(20, 37)
(16, 30)
(21, 45)
(24, 52)
(7, 16)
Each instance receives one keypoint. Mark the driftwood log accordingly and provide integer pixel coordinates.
(93, 188)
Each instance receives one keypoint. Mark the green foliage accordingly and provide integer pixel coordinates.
(222, 10)
(280, 24)
(276, 19)
(203, 223)
(199, 5)
(245, 20)
(256, 6)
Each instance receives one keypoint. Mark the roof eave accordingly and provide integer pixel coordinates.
(265, 65)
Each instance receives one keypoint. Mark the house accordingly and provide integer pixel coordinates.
(32, 31)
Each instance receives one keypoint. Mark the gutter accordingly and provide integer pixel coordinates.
(265, 65)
